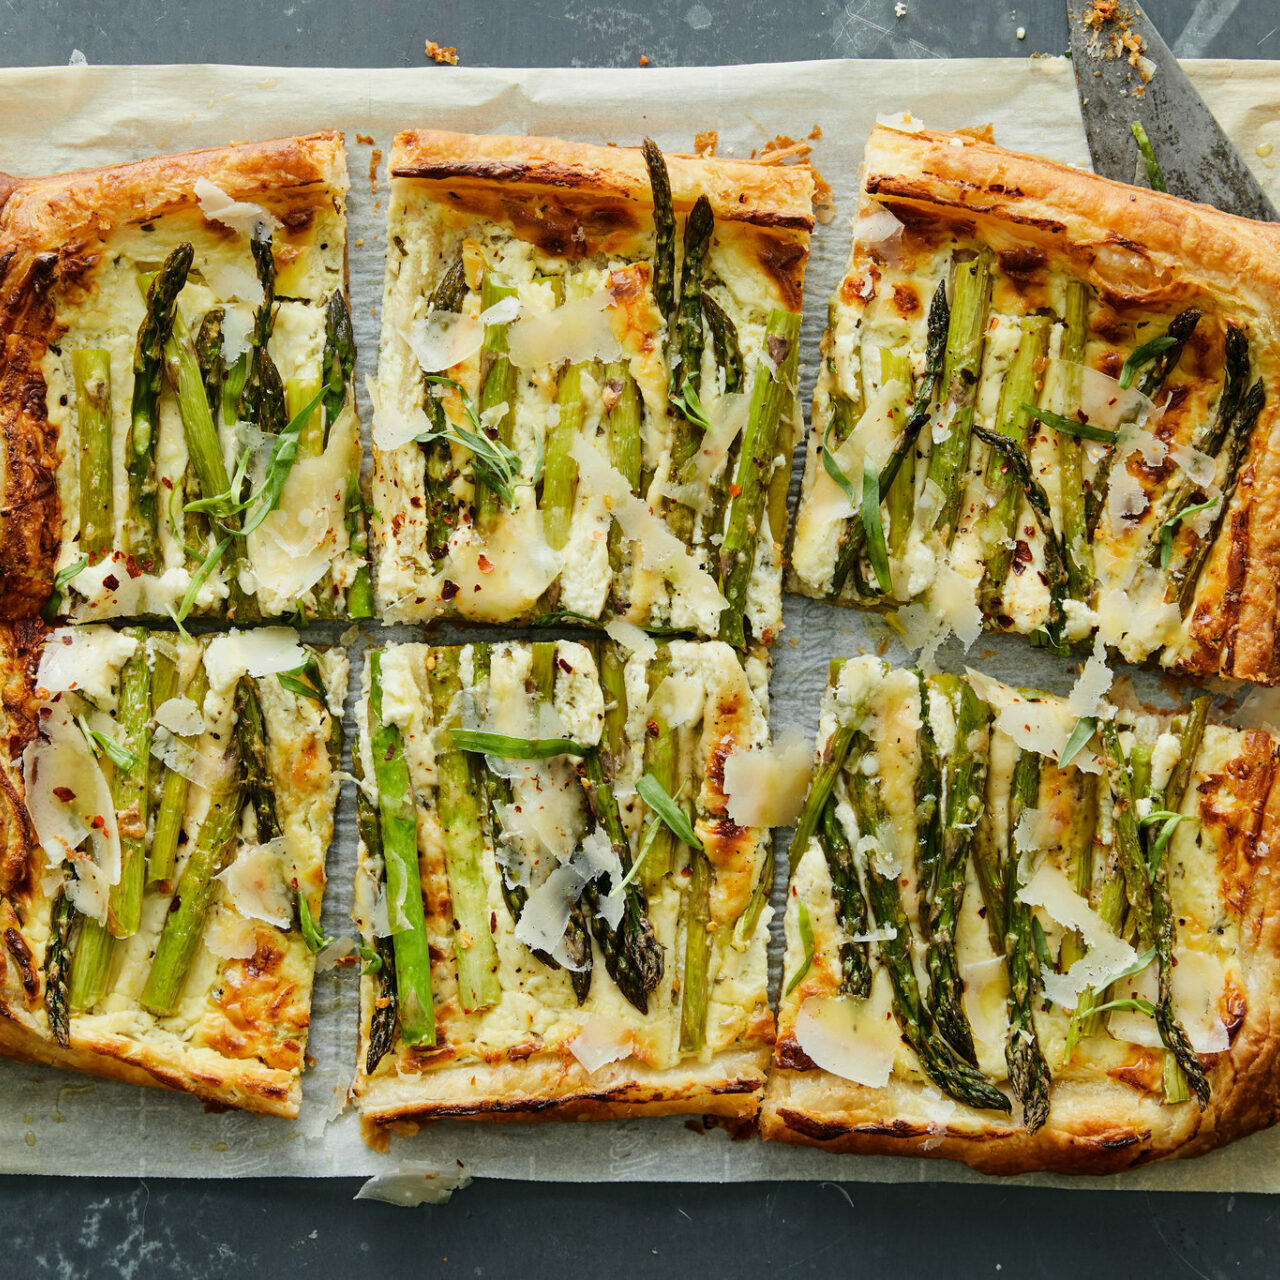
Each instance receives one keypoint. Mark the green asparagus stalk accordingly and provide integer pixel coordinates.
(91, 368)
(724, 339)
(559, 472)
(456, 804)
(963, 789)
(687, 365)
(164, 685)
(184, 924)
(204, 448)
(397, 812)
(1157, 370)
(251, 741)
(949, 459)
(262, 396)
(901, 459)
(339, 359)
(1075, 527)
(1184, 578)
(57, 969)
(899, 498)
(697, 955)
(851, 904)
(129, 790)
(208, 345)
(1013, 420)
(943, 1066)
(664, 230)
(662, 760)
(929, 800)
(497, 387)
(1024, 1058)
(1052, 635)
(150, 355)
(1133, 864)
(90, 964)
(626, 445)
(172, 808)
(770, 393)
(441, 505)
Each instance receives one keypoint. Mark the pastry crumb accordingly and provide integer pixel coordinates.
(442, 54)
(364, 139)
(1021, 33)
(375, 159)
(644, 59)
(899, 10)
(704, 144)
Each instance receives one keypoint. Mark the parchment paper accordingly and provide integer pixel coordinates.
(65, 118)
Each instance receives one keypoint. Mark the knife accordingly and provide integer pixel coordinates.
(1195, 156)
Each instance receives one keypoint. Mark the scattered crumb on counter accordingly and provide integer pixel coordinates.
(899, 10)
(364, 140)
(1021, 33)
(815, 134)
(375, 159)
(442, 53)
(644, 59)
(359, 242)
(705, 144)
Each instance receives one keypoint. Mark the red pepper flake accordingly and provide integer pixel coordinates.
(99, 822)
(484, 564)
(449, 590)
(735, 490)
(111, 582)
(131, 567)
(65, 794)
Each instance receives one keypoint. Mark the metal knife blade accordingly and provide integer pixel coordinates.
(1195, 156)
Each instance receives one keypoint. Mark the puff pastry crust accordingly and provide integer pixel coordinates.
(567, 230)
(72, 249)
(238, 1033)
(930, 201)
(1106, 1109)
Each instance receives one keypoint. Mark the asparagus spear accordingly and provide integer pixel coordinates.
(559, 470)
(943, 1066)
(457, 808)
(901, 460)
(662, 760)
(664, 230)
(57, 969)
(129, 790)
(1075, 528)
(172, 807)
(1128, 845)
(724, 338)
(949, 458)
(149, 359)
(208, 346)
(770, 392)
(999, 525)
(687, 365)
(1054, 556)
(1157, 371)
(1178, 1047)
(851, 904)
(823, 781)
(184, 924)
(697, 955)
(91, 368)
(929, 800)
(1024, 1058)
(205, 449)
(339, 359)
(626, 445)
(399, 840)
(262, 396)
(251, 742)
(497, 386)
(633, 957)
(442, 508)
(963, 788)
(899, 498)
(1184, 578)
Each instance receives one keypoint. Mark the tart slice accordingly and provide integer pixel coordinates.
(1025, 937)
(585, 395)
(168, 808)
(1047, 405)
(175, 364)
(563, 917)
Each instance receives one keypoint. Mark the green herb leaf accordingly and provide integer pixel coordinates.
(290, 682)
(1137, 966)
(1041, 944)
(1161, 843)
(207, 566)
(690, 405)
(654, 794)
(279, 465)
(1169, 528)
(504, 747)
(1144, 355)
(877, 551)
(496, 465)
(1077, 740)
(312, 934)
(372, 960)
(833, 468)
(1154, 174)
(63, 576)
(1137, 1005)
(1069, 426)
(103, 744)
(647, 841)
(806, 937)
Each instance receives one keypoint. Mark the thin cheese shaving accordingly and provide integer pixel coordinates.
(600, 1041)
(580, 330)
(255, 886)
(1088, 694)
(240, 215)
(630, 637)
(854, 1039)
(261, 652)
(86, 659)
(766, 786)
(181, 716)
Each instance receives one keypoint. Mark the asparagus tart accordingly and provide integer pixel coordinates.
(586, 384)
(169, 803)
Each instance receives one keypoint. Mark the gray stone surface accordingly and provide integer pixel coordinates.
(69, 1228)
